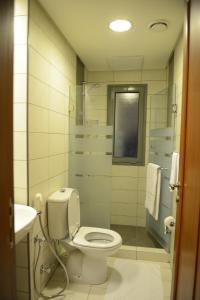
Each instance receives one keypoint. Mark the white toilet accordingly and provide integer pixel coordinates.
(89, 245)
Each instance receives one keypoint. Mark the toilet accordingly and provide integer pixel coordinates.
(88, 246)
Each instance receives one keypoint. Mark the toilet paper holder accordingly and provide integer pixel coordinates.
(169, 224)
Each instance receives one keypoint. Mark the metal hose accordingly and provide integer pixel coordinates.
(58, 259)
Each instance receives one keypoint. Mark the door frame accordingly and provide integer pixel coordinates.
(7, 245)
(182, 153)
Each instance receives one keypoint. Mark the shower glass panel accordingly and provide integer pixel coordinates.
(90, 167)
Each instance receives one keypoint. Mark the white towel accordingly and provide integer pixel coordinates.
(174, 170)
(153, 189)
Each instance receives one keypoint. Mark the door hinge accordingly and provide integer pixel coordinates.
(11, 216)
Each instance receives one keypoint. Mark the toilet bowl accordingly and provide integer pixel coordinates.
(89, 246)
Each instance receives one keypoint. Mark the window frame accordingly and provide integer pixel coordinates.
(111, 102)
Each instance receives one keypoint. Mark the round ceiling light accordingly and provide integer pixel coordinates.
(120, 25)
(158, 26)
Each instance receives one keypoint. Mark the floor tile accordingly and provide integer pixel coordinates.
(107, 291)
(73, 292)
(97, 293)
(135, 236)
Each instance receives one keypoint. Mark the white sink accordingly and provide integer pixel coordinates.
(24, 220)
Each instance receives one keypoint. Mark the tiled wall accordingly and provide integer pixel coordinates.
(176, 119)
(52, 69)
(178, 81)
(128, 182)
(20, 136)
(20, 100)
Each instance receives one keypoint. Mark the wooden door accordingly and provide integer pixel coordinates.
(188, 210)
(7, 263)
(197, 285)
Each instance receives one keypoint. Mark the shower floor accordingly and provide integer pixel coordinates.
(135, 236)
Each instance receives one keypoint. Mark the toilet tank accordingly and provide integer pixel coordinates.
(63, 210)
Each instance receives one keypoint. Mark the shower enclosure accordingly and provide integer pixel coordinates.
(113, 196)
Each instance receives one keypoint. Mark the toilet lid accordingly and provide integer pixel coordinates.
(73, 213)
(93, 237)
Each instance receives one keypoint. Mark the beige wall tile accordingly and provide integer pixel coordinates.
(124, 196)
(20, 174)
(57, 165)
(56, 144)
(156, 87)
(141, 211)
(38, 171)
(38, 119)
(58, 80)
(20, 146)
(20, 121)
(20, 195)
(38, 66)
(154, 74)
(56, 122)
(127, 209)
(96, 90)
(141, 222)
(96, 102)
(20, 59)
(57, 182)
(127, 76)
(142, 172)
(20, 30)
(126, 183)
(38, 145)
(20, 88)
(141, 197)
(21, 8)
(42, 188)
(127, 171)
(100, 76)
(142, 184)
(38, 92)
(58, 102)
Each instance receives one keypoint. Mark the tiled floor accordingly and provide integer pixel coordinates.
(101, 292)
(135, 236)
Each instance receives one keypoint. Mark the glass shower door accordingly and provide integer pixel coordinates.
(90, 168)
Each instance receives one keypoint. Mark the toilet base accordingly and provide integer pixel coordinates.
(86, 269)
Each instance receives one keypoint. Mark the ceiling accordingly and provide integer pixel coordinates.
(85, 25)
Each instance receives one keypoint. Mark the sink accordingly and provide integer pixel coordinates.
(24, 219)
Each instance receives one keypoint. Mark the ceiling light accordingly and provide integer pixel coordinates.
(120, 25)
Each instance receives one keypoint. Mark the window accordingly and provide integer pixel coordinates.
(126, 111)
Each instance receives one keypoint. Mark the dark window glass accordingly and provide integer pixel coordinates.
(126, 124)
(127, 113)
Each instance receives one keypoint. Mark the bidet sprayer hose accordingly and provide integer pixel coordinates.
(56, 256)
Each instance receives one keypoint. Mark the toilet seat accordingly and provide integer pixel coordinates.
(99, 238)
